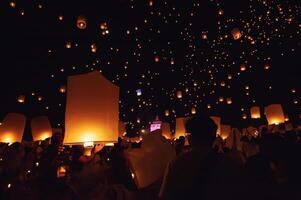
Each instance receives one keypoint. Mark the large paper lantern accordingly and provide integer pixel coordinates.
(180, 127)
(41, 128)
(217, 121)
(92, 110)
(166, 132)
(148, 163)
(12, 128)
(274, 114)
(255, 112)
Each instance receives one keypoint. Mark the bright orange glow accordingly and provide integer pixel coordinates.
(274, 114)
(40, 128)
(180, 127)
(255, 112)
(236, 33)
(92, 110)
(12, 128)
(81, 22)
(179, 94)
(21, 99)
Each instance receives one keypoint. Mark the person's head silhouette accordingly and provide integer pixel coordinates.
(202, 130)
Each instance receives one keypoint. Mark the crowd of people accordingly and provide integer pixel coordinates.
(263, 166)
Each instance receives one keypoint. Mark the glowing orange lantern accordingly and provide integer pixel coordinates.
(68, 45)
(92, 110)
(12, 4)
(21, 99)
(244, 116)
(157, 59)
(81, 22)
(41, 128)
(166, 113)
(179, 94)
(255, 112)
(12, 128)
(63, 89)
(93, 48)
(193, 111)
(225, 131)
(243, 67)
(274, 114)
(229, 100)
(180, 127)
(236, 33)
(204, 36)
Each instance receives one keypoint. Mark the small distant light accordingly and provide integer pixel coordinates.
(133, 175)
(28, 171)
(9, 185)
(37, 164)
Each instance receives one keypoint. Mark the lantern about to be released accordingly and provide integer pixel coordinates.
(81, 22)
(41, 128)
(12, 128)
(92, 108)
(274, 114)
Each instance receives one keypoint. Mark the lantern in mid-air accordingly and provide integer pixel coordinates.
(236, 33)
(179, 94)
(21, 98)
(255, 112)
(81, 22)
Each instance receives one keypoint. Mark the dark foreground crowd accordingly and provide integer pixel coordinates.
(262, 166)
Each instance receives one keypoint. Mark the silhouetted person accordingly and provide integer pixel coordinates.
(180, 145)
(199, 173)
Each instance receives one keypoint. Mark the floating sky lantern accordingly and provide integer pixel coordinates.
(63, 89)
(243, 67)
(12, 4)
(255, 112)
(236, 33)
(220, 11)
(41, 128)
(93, 48)
(81, 22)
(138, 92)
(267, 66)
(166, 113)
(21, 98)
(204, 36)
(244, 116)
(229, 100)
(92, 110)
(12, 128)
(193, 110)
(274, 114)
(179, 94)
(157, 59)
(68, 45)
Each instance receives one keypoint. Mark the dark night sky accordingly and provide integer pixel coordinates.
(172, 31)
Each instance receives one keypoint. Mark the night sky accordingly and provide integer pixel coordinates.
(159, 47)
